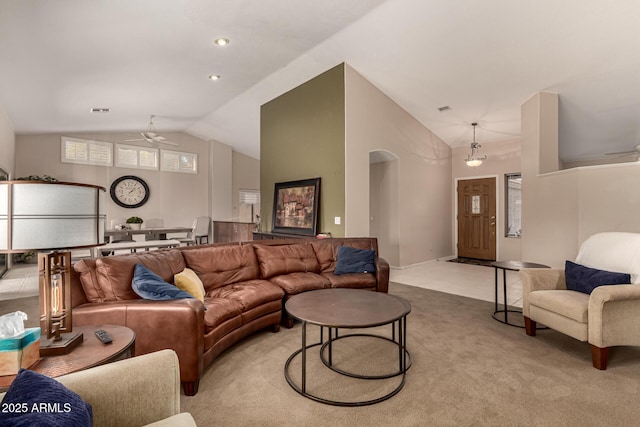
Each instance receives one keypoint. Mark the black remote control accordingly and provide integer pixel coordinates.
(103, 336)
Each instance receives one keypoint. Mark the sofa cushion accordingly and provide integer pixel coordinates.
(250, 294)
(221, 310)
(325, 253)
(30, 390)
(355, 281)
(352, 260)
(149, 285)
(295, 283)
(115, 273)
(327, 249)
(222, 265)
(585, 279)
(572, 304)
(277, 260)
(188, 281)
(86, 268)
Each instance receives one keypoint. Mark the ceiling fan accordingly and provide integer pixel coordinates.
(153, 137)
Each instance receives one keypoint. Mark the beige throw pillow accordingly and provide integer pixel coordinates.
(188, 281)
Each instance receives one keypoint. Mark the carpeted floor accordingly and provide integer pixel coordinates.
(468, 370)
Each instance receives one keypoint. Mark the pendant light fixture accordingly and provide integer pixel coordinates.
(474, 159)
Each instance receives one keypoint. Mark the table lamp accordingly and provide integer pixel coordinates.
(50, 218)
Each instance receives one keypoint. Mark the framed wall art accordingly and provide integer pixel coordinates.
(295, 207)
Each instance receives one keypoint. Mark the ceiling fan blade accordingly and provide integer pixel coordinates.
(132, 140)
(175, 144)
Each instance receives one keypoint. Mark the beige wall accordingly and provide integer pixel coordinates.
(221, 161)
(561, 209)
(423, 193)
(176, 197)
(7, 143)
(301, 137)
(502, 157)
(246, 176)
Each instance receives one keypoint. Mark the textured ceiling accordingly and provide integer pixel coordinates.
(481, 58)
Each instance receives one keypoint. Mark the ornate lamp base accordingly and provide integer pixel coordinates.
(66, 343)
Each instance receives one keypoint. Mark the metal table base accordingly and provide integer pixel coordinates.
(404, 362)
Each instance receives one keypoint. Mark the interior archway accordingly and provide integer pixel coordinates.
(384, 204)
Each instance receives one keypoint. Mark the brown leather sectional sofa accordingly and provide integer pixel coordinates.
(246, 285)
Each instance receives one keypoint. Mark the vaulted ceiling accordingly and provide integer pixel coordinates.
(483, 59)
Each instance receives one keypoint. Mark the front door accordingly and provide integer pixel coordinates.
(477, 218)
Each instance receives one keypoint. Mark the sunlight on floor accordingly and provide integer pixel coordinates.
(472, 281)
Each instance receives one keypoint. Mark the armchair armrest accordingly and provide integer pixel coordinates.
(382, 275)
(173, 324)
(538, 279)
(135, 391)
(614, 315)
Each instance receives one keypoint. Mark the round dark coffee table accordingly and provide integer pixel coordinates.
(352, 309)
(512, 266)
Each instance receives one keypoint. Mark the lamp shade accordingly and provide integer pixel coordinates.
(37, 216)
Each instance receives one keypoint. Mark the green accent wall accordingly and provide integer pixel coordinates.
(302, 135)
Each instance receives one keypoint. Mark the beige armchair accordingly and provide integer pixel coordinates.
(609, 316)
(143, 390)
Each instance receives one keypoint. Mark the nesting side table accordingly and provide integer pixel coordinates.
(503, 314)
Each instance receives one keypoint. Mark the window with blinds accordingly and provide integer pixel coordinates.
(176, 161)
(86, 151)
(133, 156)
(249, 207)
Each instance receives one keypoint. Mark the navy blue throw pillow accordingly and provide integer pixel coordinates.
(149, 285)
(352, 260)
(584, 279)
(34, 399)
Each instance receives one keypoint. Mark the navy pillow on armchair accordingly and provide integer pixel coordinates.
(34, 399)
(585, 279)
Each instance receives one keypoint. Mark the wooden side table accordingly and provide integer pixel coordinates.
(512, 266)
(87, 355)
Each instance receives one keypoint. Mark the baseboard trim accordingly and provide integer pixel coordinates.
(446, 258)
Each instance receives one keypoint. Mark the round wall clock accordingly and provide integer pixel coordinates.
(129, 191)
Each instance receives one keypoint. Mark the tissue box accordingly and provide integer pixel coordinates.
(20, 351)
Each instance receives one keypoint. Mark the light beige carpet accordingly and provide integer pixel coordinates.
(468, 370)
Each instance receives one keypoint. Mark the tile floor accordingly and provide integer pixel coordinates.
(472, 281)
(461, 279)
(20, 281)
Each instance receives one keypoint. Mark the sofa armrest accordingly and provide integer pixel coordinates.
(135, 391)
(538, 279)
(614, 315)
(173, 324)
(382, 275)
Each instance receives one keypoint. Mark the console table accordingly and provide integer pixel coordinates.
(263, 235)
(229, 231)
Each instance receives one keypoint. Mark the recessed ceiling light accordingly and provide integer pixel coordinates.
(222, 41)
(100, 110)
(214, 77)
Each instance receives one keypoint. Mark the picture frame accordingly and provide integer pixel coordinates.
(295, 207)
